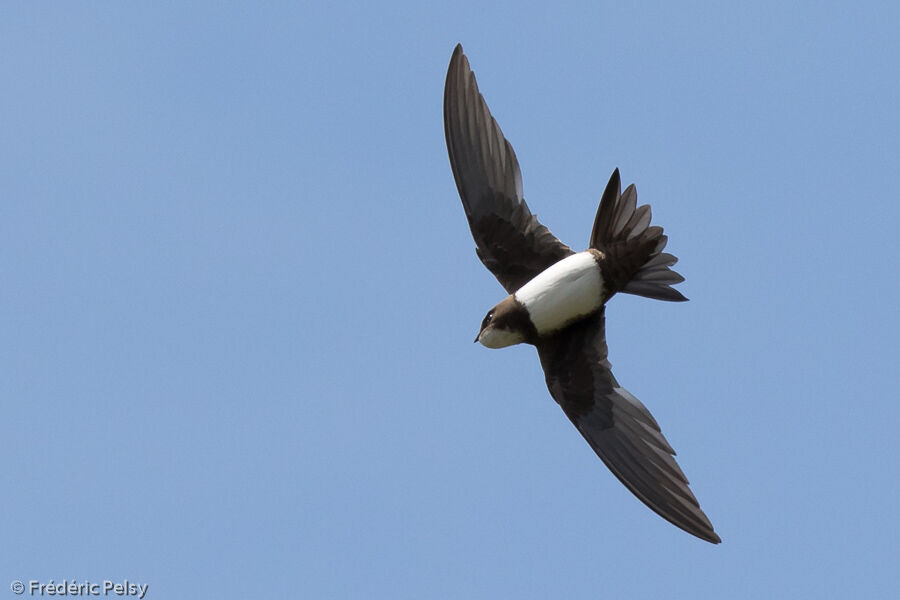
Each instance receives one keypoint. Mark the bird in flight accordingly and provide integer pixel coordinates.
(557, 298)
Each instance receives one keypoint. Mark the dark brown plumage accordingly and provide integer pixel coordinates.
(515, 247)
(509, 240)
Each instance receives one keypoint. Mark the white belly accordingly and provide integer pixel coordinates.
(564, 292)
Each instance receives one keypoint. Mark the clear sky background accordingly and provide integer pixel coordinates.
(238, 298)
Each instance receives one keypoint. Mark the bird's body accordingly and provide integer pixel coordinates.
(561, 294)
(564, 292)
(557, 298)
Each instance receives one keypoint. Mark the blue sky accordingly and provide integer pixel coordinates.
(239, 296)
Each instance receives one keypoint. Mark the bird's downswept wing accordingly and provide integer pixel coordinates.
(510, 240)
(618, 427)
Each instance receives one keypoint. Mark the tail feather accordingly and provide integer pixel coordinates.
(639, 221)
(635, 261)
(625, 209)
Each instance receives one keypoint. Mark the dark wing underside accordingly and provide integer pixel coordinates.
(510, 241)
(618, 427)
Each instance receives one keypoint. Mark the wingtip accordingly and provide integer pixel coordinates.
(456, 58)
(703, 530)
(458, 55)
(712, 537)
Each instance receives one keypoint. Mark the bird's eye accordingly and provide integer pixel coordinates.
(487, 319)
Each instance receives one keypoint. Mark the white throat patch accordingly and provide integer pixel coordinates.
(500, 338)
(563, 292)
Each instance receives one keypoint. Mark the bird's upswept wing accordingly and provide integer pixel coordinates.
(618, 427)
(510, 240)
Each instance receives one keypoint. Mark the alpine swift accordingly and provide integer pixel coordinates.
(557, 298)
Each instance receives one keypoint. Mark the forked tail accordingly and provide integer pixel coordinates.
(635, 262)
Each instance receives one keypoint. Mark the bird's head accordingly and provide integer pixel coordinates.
(502, 326)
